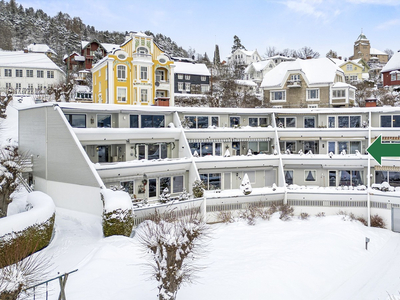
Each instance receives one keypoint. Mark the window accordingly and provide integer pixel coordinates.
(128, 186)
(286, 122)
(349, 67)
(160, 75)
(134, 121)
(104, 121)
(204, 149)
(211, 181)
(180, 86)
(353, 78)
(152, 121)
(143, 95)
(142, 50)
(7, 73)
(313, 94)
(350, 178)
(390, 121)
(289, 176)
(18, 73)
(278, 96)
(344, 122)
(50, 74)
(295, 77)
(187, 77)
(40, 74)
(121, 72)
(258, 147)
(392, 177)
(8, 85)
(215, 121)
(205, 88)
(339, 93)
(152, 187)
(309, 122)
(255, 122)
(177, 184)
(312, 105)
(29, 73)
(203, 78)
(180, 76)
(121, 94)
(30, 87)
(235, 148)
(234, 121)
(143, 72)
(76, 120)
(187, 87)
(310, 175)
(332, 178)
(40, 86)
(18, 86)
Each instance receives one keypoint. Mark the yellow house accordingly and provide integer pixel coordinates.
(354, 70)
(139, 73)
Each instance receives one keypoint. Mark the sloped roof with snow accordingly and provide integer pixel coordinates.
(341, 62)
(191, 69)
(40, 48)
(376, 52)
(20, 59)
(246, 82)
(316, 71)
(260, 65)
(110, 47)
(393, 63)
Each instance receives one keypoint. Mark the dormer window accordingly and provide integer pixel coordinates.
(142, 50)
(295, 77)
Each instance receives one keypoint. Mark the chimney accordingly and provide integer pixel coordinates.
(370, 102)
(340, 57)
(26, 50)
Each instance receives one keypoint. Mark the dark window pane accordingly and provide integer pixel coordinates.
(76, 121)
(142, 152)
(204, 179)
(195, 147)
(394, 178)
(127, 186)
(289, 177)
(331, 147)
(104, 121)
(236, 146)
(152, 187)
(280, 122)
(218, 149)
(164, 150)
(214, 181)
(381, 176)
(158, 121)
(234, 121)
(386, 121)
(356, 178)
(290, 122)
(344, 178)
(343, 121)
(331, 122)
(253, 122)
(147, 121)
(263, 122)
(192, 121)
(206, 149)
(332, 178)
(165, 182)
(355, 121)
(153, 151)
(178, 184)
(202, 122)
(215, 121)
(133, 121)
(396, 120)
(309, 122)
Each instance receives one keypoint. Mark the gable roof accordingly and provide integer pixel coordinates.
(376, 52)
(40, 48)
(393, 63)
(191, 69)
(316, 71)
(260, 65)
(14, 59)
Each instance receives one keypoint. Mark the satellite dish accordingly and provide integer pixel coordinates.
(157, 83)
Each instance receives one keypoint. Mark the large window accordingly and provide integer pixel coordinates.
(205, 149)
(350, 178)
(143, 72)
(121, 72)
(286, 122)
(278, 96)
(332, 178)
(310, 175)
(152, 121)
(152, 151)
(29, 73)
(104, 121)
(76, 120)
(313, 94)
(39, 74)
(121, 94)
(255, 122)
(211, 181)
(50, 74)
(128, 186)
(7, 73)
(234, 121)
(160, 75)
(202, 121)
(309, 122)
(392, 177)
(344, 121)
(390, 121)
(289, 176)
(339, 94)
(18, 73)
(134, 121)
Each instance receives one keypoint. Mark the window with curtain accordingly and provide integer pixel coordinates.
(289, 176)
(310, 175)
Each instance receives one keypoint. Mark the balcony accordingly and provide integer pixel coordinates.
(141, 57)
(293, 83)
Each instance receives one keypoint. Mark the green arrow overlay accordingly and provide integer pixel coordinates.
(379, 150)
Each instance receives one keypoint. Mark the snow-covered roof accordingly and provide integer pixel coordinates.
(393, 63)
(84, 44)
(317, 71)
(40, 48)
(246, 82)
(260, 65)
(282, 57)
(376, 52)
(110, 47)
(191, 69)
(20, 59)
(342, 85)
(341, 62)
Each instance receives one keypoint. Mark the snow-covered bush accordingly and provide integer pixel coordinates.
(377, 221)
(118, 213)
(165, 196)
(245, 186)
(286, 212)
(31, 230)
(320, 215)
(304, 216)
(184, 195)
(225, 216)
(172, 246)
(198, 188)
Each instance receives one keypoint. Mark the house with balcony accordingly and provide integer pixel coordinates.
(307, 83)
(242, 57)
(391, 72)
(27, 72)
(191, 78)
(138, 73)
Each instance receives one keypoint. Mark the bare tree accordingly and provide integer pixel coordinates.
(363, 92)
(331, 54)
(389, 52)
(61, 89)
(271, 51)
(307, 52)
(173, 245)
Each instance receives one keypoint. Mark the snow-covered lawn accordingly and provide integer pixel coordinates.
(319, 258)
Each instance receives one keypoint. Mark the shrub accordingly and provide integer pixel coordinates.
(377, 221)
(225, 216)
(362, 220)
(198, 188)
(118, 222)
(272, 209)
(320, 215)
(304, 216)
(285, 212)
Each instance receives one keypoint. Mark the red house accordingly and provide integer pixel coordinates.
(391, 72)
(88, 50)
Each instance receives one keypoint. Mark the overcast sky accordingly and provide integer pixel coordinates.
(200, 24)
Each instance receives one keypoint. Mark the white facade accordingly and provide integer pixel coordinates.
(28, 72)
(244, 57)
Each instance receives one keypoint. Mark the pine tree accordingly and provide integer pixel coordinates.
(217, 59)
(237, 44)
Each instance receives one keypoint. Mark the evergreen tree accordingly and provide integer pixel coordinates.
(237, 44)
(217, 59)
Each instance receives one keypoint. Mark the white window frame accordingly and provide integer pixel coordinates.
(144, 95)
(273, 93)
(180, 86)
(314, 172)
(341, 97)
(312, 105)
(205, 88)
(18, 86)
(40, 74)
(120, 89)
(29, 73)
(295, 77)
(187, 77)
(203, 78)
(308, 91)
(180, 76)
(7, 72)
(50, 74)
(349, 67)
(187, 86)
(393, 77)
(144, 73)
(18, 73)
(121, 72)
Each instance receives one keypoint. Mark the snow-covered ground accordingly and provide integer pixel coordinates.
(319, 258)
